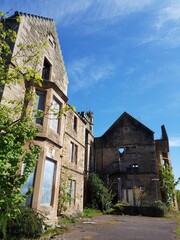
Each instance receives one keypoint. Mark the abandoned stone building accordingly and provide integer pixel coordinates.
(125, 157)
(66, 141)
(128, 159)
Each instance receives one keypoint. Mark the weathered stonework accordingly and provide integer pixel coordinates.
(54, 136)
(128, 158)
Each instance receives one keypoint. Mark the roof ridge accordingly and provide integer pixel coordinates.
(125, 113)
(17, 13)
(138, 121)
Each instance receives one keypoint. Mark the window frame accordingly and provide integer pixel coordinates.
(53, 183)
(73, 154)
(46, 70)
(75, 122)
(53, 118)
(32, 175)
(43, 93)
(72, 192)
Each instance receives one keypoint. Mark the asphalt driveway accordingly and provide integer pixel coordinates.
(109, 227)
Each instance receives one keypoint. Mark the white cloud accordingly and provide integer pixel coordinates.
(86, 72)
(93, 10)
(168, 14)
(164, 30)
(174, 142)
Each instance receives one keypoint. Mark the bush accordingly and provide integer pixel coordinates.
(99, 195)
(159, 206)
(151, 209)
(119, 208)
(178, 198)
(90, 212)
(28, 223)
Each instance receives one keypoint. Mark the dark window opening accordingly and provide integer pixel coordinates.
(46, 70)
(73, 153)
(135, 167)
(75, 123)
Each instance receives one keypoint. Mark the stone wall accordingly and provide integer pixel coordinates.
(126, 153)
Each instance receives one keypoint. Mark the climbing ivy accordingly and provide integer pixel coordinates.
(167, 185)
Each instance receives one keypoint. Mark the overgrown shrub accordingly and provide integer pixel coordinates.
(28, 223)
(100, 196)
(90, 212)
(159, 206)
(119, 208)
(178, 198)
(151, 209)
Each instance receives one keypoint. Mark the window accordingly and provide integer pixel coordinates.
(48, 186)
(46, 70)
(40, 102)
(135, 167)
(29, 183)
(72, 191)
(75, 123)
(54, 115)
(51, 41)
(121, 150)
(73, 153)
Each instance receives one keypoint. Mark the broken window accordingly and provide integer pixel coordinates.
(48, 185)
(54, 115)
(135, 167)
(121, 152)
(46, 70)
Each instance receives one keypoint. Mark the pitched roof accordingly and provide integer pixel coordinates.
(125, 114)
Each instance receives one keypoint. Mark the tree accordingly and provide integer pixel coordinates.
(17, 128)
(99, 195)
(178, 198)
(167, 185)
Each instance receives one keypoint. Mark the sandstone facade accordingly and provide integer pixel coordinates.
(63, 140)
(129, 159)
(126, 157)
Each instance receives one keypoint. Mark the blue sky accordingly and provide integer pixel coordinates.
(119, 56)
